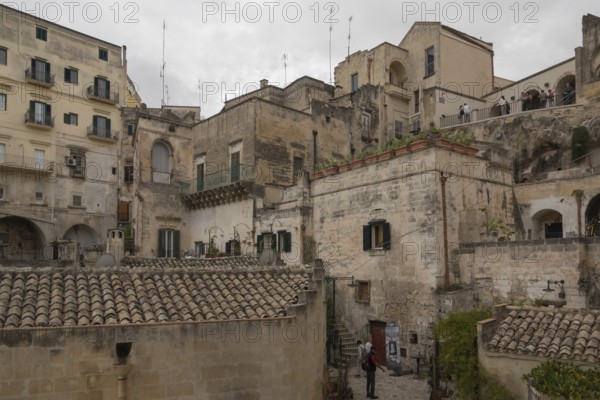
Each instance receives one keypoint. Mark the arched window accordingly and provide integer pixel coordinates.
(161, 163)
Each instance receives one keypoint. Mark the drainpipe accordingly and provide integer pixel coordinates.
(315, 133)
(443, 179)
(122, 371)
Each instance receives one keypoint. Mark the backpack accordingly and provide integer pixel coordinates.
(366, 362)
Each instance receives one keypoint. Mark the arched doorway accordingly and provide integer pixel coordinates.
(547, 224)
(565, 91)
(397, 73)
(20, 239)
(592, 217)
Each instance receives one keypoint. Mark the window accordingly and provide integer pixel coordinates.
(123, 211)
(429, 62)
(199, 249)
(40, 71)
(41, 33)
(284, 242)
(377, 235)
(168, 243)
(101, 87)
(71, 75)
(3, 56)
(129, 176)
(266, 241)
(298, 166)
(39, 157)
(71, 119)
(417, 101)
(235, 167)
(363, 292)
(103, 54)
(39, 113)
(398, 129)
(101, 126)
(161, 163)
(76, 200)
(2, 149)
(403, 352)
(39, 197)
(354, 82)
(365, 123)
(2, 102)
(199, 178)
(130, 129)
(416, 126)
(233, 247)
(1, 192)
(78, 166)
(414, 338)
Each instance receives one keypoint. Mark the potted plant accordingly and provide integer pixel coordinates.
(359, 161)
(331, 168)
(318, 172)
(213, 250)
(386, 153)
(371, 156)
(344, 165)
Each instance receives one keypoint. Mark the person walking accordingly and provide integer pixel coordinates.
(550, 98)
(502, 104)
(361, 353)
(467, 111)
(372, 366)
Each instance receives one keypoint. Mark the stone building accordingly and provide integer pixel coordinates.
(162, 330)
(60, 93)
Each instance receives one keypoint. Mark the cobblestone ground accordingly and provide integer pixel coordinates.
(406, 387)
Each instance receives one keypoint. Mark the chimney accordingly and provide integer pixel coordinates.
(264, 83)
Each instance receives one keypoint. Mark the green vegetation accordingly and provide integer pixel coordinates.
(457, 335)
(460, 137)
(579, 142)
(495, 226)
(555, 379)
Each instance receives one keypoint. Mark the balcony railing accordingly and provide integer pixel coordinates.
(103, 95)
(21, 162)
(43, 79)
(226, 177)
(515, 107)
(398, 92)
(96, 132)
(39, 119)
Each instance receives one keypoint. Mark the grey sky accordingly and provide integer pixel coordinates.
(232, 45)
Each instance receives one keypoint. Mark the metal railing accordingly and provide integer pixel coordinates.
(515, 107)
(225, 177)
(106, 95)
(19, 161)
(102, 132)
(38, 77)
(31, 117)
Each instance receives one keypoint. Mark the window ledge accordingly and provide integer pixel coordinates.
(76, 207)
(38, 204)
(376, 252)
(429, 75)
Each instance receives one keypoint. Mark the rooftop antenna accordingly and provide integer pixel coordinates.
(285, 57)
(330, 33)
(349, 34)
(162, 71)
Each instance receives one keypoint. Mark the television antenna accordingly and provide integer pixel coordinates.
(349, 33)
(285, 58)
(330, 33)
(162, 70)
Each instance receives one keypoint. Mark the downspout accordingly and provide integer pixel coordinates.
(315, 133)
(578, 197)
(443, 179)
(122, 371)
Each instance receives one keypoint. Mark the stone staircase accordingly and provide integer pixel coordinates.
(348, 346)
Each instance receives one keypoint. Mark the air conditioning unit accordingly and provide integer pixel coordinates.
(71, 162)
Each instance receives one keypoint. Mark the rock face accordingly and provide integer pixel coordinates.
(539, 143)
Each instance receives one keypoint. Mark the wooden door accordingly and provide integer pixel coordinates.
(378, 337)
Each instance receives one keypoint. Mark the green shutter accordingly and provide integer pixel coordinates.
(108, 134)
(176, 247)
(161, 244)
(274, 241)
(228, 248)
(95, 86)
(287, 242)
(387, 236)
(366, 237)
(237, 248)
(48, 71)
(260, 243)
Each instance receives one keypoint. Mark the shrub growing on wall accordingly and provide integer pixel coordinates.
(555, 379)
(579, 142)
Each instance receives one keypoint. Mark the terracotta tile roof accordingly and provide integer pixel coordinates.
(573, 335)
(219, 263)
(115, 296)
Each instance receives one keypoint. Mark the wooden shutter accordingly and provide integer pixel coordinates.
(176, 247)
(260, 244)
(366, 237)
(287, 242)
(387, 236)
(161, 243)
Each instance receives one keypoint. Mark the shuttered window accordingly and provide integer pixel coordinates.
(161, 163)
(377, 235)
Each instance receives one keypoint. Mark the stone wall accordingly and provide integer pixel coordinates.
(518, 272)
(224, 360)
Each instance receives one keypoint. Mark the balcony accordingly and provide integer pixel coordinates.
(219, 179)
(103, 95)
(38, 120)
(102, 134)
(39, 78)
(15, 162)
(398, 92)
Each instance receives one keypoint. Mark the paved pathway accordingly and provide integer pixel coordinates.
(406, 387)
